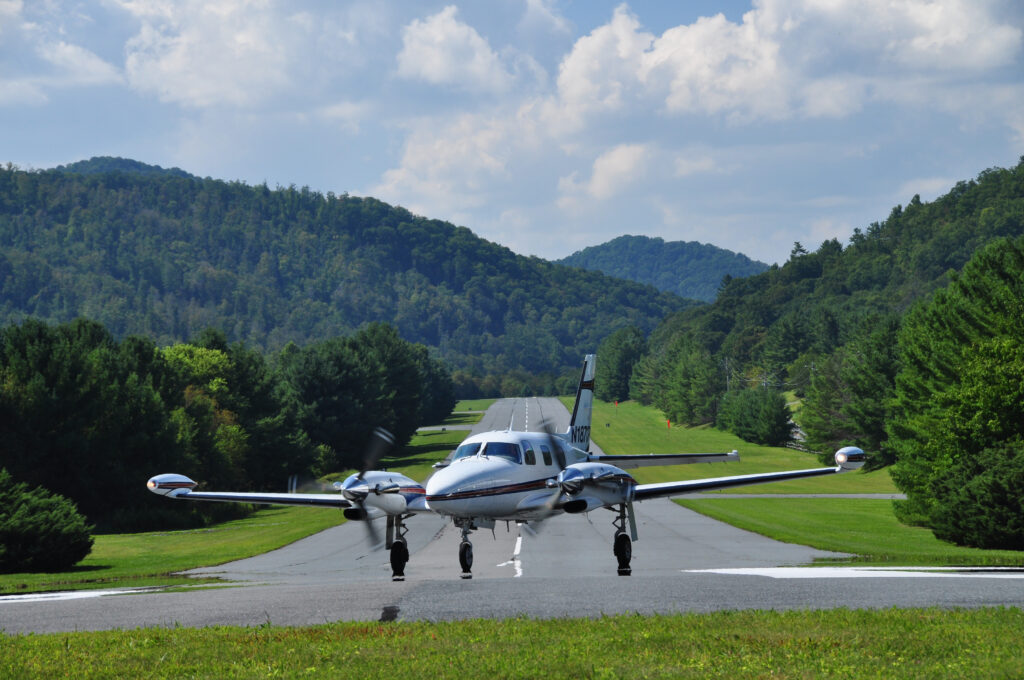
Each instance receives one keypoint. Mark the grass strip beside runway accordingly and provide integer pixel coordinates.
(863, 526)
(145, 559)
(841, 643)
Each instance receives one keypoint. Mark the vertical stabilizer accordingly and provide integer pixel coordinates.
(579, 424)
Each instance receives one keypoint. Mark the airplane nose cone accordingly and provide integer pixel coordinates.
(442, 483)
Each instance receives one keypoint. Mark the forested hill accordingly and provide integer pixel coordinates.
(827, 321)
(818, 298)
(104, 164)
(686, 268)
(165, 254)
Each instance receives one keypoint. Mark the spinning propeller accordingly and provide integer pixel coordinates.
(356, 489)
(556, 483)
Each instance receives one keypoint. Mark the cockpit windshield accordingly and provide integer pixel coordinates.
(466, 450)
(494, 449)
(502, 450)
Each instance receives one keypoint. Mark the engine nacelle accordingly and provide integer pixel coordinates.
(377, 491)
(591, 485)
(170, 485)
(850, 458)
(583, 504)
(387, 503)
(362, 514)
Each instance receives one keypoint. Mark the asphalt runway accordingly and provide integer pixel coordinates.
(681, 562)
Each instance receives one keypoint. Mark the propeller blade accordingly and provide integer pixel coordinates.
(380, 443)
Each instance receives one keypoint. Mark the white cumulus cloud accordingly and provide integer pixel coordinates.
(442, 50)
(202, 54)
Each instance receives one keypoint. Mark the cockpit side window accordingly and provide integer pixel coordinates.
(466, 450)
(546, 452)
(528, 455)
(502, 450)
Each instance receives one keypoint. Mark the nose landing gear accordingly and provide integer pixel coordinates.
(466, 551)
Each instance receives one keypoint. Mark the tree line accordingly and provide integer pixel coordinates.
(90, 417)
(905, 342)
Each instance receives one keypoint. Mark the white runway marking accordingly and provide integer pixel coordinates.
(515, 561)
(870, 572)
(70, 595)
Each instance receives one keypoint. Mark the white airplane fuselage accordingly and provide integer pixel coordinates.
(501, 476)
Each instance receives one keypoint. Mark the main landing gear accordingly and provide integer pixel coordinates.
(623, 546)
(395, 540)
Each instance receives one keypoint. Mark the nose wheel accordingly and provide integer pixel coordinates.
(466, 551)
(466, 559)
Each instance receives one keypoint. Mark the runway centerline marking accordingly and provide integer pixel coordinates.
(515, 561)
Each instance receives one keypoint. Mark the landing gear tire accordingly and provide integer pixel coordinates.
(399, 558)
(624, 553)
(466, 558)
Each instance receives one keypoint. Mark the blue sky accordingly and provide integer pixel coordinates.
(544, 125)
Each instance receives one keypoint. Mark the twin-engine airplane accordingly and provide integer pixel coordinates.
(512, 476)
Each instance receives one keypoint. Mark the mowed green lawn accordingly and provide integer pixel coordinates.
(864, 527)
(144, 559)
(928, 643)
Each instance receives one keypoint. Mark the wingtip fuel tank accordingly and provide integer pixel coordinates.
(170, 485)
(850, 458)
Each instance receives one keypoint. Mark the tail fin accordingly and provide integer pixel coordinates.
(579, 424)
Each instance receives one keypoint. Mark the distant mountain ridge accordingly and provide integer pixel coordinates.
(102, 164)
(166, 254)
(687, 268)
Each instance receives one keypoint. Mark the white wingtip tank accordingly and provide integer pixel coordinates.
(579, 424)
(171, 485)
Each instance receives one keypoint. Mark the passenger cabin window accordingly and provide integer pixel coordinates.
(466, 450)
(528, 455)
(546, 452)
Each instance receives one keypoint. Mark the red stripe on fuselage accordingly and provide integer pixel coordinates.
(492, 491)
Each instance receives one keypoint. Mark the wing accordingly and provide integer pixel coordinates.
(315, 499)
(848, 458)
(180, 487)
(630, 462)
(402, 496)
